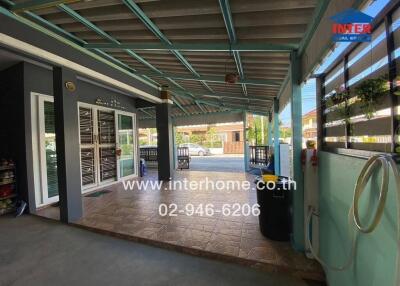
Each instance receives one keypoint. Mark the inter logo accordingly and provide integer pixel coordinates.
(352, 26)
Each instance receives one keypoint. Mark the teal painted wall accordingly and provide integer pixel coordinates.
(376, 252)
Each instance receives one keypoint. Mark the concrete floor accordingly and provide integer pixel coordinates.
(36, 251)
(218, 163)
(134, 215)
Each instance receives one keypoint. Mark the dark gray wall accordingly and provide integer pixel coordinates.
(40, 80)
(16, 85)
(89, 93)
(12, 130)
(17, 30)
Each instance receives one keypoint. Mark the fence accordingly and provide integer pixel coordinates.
(258, 155)
(352, 119)
(149, 154)
(233, 147)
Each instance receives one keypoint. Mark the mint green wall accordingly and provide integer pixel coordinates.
(376, 252)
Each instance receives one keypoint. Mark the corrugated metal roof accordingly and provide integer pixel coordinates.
(198, 22)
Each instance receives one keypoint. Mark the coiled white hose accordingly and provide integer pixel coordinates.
(355, 225)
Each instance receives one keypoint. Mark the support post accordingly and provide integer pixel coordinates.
(269, 142)
(297, 140)
(67, 144)
(277, 160)
(346, 76)
(320, 89)
(164, 137)
(392, 77)
(174, 148)
(245, 144)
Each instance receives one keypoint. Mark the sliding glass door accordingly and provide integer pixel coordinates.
(126, 145)
(107, 145)
(48, 155)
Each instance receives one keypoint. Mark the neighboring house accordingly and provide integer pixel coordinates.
(231, 135)
(309, 121)
(147, 136)
(310, 125)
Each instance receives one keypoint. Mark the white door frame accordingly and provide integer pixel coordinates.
(98, 183)
(42, 150)
(94, 117)
(134, 135)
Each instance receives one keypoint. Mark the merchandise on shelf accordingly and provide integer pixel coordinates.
(8, 192)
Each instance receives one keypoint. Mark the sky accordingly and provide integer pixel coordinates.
(308, 90)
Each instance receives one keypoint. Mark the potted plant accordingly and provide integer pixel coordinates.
(370, 93)
(340, 101)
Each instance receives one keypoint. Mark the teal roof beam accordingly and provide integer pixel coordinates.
(86, 22)
(181, 107)
(197, 47)
(102, 33)
(316, 19)
(55, 28)
(156, 31)
(225, 105)
(146, 112)
(146, 20)
(56, 32)
(244, 88)
(81, 42)
(205, 84)
(75, 39)
(218, 79)
(201, 107)
(38, 4)
(223, 95)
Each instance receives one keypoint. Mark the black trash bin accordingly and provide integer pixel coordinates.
(275, 211)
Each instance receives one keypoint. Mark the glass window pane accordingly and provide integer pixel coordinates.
(125, 136)
(50, 148)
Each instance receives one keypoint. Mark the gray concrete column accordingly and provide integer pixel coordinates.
(277, 159)
(297, 137)
(245, 143)
(165, 143)
(67, 144)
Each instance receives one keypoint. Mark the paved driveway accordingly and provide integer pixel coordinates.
(42, 252)
(217, 163)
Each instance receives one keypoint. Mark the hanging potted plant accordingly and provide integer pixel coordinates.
(396, 85)
(340, 101)
(339, 96)
(344, 109)
(370, 94)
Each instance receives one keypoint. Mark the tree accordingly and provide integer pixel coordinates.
(180, 138)
(258, 130)
(211, 136)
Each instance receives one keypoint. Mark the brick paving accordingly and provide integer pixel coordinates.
(134, 215)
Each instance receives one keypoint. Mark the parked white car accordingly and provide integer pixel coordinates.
(196, 149)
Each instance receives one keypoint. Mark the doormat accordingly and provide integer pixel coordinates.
(98, 194)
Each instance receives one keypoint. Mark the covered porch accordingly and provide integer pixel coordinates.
(80, 77)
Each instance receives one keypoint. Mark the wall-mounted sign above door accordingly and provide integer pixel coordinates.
(112, 103)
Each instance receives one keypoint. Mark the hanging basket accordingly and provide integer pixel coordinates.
(231, 78)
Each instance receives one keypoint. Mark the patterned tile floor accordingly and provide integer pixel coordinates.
(134, 215)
